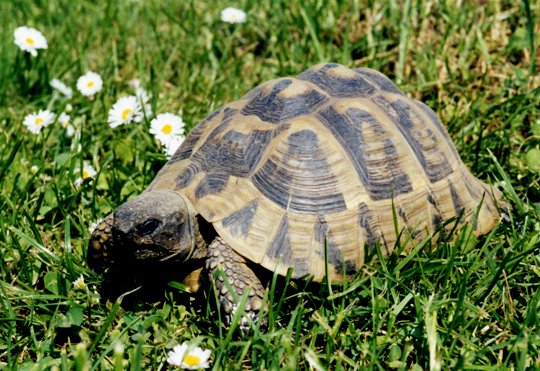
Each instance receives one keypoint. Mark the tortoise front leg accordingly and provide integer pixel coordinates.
(224, 261)
(100, 243)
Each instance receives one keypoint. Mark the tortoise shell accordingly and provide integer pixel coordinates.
(319, 167)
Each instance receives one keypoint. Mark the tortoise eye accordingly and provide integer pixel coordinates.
(148, 227)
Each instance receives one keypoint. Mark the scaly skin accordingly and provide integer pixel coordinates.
(99, 246)
(223, 260)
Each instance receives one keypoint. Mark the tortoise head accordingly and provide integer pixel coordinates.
(155, 226)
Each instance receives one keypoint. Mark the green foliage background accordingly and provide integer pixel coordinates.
(471, 304)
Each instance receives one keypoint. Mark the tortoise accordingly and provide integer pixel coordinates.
(308, 173)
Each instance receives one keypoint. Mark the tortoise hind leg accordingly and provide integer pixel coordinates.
(224, 261)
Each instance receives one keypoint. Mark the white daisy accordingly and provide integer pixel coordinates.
(89, 83)
(125, 110)
(233, 15)
(144, 102)
(36, 121)
(29, 39)
(61, 87)
(172, 145)
(88, 171)
(166, 126)
(190, 359)
(64, 119)
(70, 131)
(79, 283)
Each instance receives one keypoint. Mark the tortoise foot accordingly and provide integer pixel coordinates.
(233, 279)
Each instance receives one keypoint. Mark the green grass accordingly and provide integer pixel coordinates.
(471, 304)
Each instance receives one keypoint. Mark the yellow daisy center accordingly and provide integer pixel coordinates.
(126, 112)
(192, 360)
(79, 283)
(85, 174)
(90, 84)
(39, 121)
(29, 41)
(166, 129)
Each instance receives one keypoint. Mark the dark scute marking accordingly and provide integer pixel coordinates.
(242, 152)
(238, 223)
(383, 82)
(437, 218)
(348, 130)
(437, 222)
(320, 230)
(427, 150)
(212, 183)
(414, 232)
(309, 186)
(438, 124)
(328, 247)
(456, 199)
(399, 182)
(280, 247)
(402, 214)
(233, 154)
(273, 108)
(336, 86)
(223, 155)
(228, 114)
(473, 191)
(330, 251)
(192, 138)
(213, 114)
(367, 221)
(347, 267)
(187, 175)
(301, 268)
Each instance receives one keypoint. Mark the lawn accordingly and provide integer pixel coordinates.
(468, 304)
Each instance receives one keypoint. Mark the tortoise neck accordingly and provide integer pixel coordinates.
(198, 250)
(203, 231)
(200, 245)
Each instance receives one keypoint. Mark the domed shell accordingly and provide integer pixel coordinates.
(320, 166)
